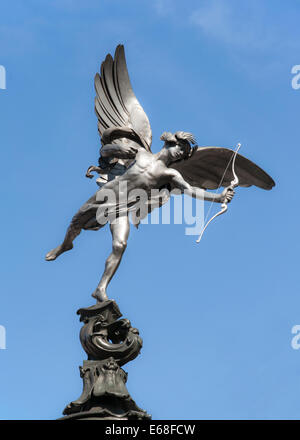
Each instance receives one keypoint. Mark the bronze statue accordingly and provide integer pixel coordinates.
(127, 165)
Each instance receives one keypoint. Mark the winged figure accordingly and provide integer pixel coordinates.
(126, 161)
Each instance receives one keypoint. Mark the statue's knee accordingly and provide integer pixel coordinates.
(119, 246)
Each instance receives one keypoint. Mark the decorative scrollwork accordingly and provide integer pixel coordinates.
(109, 342)
(104, 336)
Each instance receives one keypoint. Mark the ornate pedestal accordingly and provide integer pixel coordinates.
(109, 342)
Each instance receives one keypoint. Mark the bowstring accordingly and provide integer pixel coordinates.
(220, 184)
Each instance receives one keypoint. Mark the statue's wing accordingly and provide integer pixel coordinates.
(118, 110)
(206, 166)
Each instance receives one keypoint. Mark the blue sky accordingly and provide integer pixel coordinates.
(215, 318)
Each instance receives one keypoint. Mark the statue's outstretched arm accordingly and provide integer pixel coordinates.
(199, 193)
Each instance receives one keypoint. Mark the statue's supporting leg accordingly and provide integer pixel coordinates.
(120, 231)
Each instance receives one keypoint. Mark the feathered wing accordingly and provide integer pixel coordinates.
(119, 113)
(206, 166)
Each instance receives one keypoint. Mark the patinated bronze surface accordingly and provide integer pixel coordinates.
(127, 169)
(127, 164)
(110, 343)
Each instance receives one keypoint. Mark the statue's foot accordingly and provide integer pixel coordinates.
(100, 294)
(52, 255)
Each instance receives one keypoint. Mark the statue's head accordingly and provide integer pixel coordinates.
(178, 144)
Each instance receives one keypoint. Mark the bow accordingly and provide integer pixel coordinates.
(233, 184)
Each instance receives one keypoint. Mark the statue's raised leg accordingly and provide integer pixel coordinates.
(77, 224)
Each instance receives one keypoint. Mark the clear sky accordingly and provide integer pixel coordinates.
(216, 318)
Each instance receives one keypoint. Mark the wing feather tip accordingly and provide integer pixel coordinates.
(119, 51)
(271, 184)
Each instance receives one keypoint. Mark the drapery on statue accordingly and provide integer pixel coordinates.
(126, 157)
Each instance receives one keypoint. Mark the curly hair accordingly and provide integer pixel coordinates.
(182, 135)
